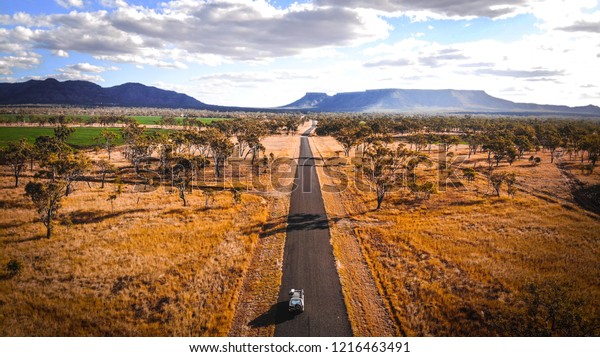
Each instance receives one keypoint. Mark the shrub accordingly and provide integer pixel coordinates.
(13, 267)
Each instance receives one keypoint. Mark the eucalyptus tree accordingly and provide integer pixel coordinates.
(184, 170)
(66, 168)
(347, 137)
(221, 148)
(63, 132)
(108, 139)
(16, 155)
(383, 166)
(46, 197)
(105, 167)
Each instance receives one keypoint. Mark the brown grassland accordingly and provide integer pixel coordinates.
(463, 262)
(467, 263)
(150, 267)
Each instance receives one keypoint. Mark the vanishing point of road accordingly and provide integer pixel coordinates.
(308, 261)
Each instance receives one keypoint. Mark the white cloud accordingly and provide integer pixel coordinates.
(69, 3)
(437, 8)
(60, 53)
(141, 60)
(319, 40)
(58, 76)
(9, 63)
(86, 67)
(215, 32)
(545, 68)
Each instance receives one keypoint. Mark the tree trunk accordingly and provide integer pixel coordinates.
(182, 195)
(103, 177)
(49, 225)
(16, 178)
(379, 200)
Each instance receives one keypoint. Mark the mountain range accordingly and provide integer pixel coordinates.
(83, 93)
(428, 101)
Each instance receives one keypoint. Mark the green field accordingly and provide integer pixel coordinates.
(143, 120)
(82, 137)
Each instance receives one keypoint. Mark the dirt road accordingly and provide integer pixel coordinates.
(309, 262)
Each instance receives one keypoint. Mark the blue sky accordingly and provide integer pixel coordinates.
(269, 53)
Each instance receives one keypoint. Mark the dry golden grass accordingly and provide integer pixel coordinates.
(282, 145)
(461, 262)
(254, 315)
(150, 268)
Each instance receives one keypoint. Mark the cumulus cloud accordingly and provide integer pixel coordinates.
(443, 55)
(397, 62)
(77, 71)
(86, 67)
(69, 3)
(9, 63)
(140, 60)
(60, 53)
(582, 26)
(61, 76)
(249, 30)
(521, 73)
(455, 8)
(256, 77)
(201, 31)
(73, 72)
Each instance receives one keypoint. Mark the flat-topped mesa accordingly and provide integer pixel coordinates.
(308, 101)
(428, 100)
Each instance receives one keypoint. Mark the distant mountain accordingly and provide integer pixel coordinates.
(428, 101)
(82, 93)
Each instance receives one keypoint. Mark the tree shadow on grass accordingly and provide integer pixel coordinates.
(30, 239)
(9, 225)
(278, 313)
(293, 222)
(15, 204)
(96, 216)
(6, 276)
(210, 208)
(466, 203)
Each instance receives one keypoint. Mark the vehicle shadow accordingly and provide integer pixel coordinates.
(278, 313)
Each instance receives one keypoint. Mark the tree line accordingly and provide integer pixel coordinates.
(174, 157)
(502, 139)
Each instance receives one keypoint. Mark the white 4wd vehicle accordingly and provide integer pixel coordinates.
(296, 300)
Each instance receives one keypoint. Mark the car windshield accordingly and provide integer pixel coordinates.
(295, 301)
